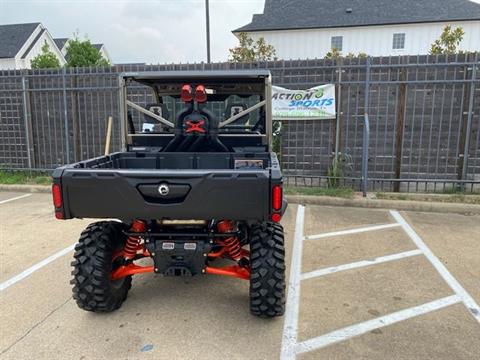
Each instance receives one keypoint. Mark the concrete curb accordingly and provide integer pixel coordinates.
(406, 205)
(26, 188)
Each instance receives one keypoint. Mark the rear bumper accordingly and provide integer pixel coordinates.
(217, 194)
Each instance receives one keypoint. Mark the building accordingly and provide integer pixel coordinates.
(20, 43)
(311, 28)
(63, 42)
(103, 51)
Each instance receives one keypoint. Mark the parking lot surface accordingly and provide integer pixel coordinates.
(363, 284)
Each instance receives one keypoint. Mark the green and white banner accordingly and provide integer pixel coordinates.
(317, 103)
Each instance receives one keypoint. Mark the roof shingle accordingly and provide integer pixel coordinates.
(60, 42)
(13, 37)
(309, 14)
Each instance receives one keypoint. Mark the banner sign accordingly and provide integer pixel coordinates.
(316, 103)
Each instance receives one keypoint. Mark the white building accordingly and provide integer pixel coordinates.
(311, 28)
(20, 43)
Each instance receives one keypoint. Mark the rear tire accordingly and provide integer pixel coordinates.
(92, 266)
(267, 272)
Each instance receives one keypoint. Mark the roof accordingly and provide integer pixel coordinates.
(182, 74)
(13, 37)
(310, 14)
(207, 75)
(98, 46)
(60, 42)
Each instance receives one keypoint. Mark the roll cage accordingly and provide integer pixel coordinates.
(220, 86)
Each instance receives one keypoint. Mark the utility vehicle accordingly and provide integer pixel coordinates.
(195, 190)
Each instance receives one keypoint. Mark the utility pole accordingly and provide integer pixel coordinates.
(207, 15)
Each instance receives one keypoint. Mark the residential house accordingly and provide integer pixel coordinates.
(311, 28)
(20, 43)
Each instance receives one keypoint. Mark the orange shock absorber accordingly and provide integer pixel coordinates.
(231, 244)
(133, 242)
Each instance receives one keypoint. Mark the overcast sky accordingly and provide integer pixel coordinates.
(151, 31)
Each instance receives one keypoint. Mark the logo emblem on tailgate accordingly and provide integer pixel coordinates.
(163, 189)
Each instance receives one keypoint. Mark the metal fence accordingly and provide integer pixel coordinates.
(424, 116)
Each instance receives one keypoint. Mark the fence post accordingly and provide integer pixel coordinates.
(27, 113)
(469, 120)
(65, 114)
(366, 130)
(400, 128)
(75, 124)
(339, 122)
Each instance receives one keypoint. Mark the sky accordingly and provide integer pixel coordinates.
(150, 31)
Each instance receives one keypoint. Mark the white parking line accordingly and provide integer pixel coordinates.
(359, 264)
(442, 270)
(15, 198)
(289, 339)
(35, 267)
(352, 231)
(364, 327)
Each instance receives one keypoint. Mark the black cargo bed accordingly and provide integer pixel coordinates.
(201, 186)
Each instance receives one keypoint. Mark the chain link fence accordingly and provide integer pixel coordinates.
(424, 116)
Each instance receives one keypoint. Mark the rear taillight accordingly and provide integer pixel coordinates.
(277, 200)
(57, 195)
(276, 217)
(277, 197)
(57, 200)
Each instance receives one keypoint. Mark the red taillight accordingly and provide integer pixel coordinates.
(186, 93)
(277, 197)
(200, 94)
(276, 218)
(57, 196)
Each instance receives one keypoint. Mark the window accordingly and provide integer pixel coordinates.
(399, 41)
(337, 42)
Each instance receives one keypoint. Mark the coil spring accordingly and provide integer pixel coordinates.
(232, 245)
(132, 244)
(233, 248)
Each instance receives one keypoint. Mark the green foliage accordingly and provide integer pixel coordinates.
(81, 53)
(249, 50)
(342, 192)
(448, 42)
(24, 177)
(276, 132)
(45, 60)
(340, 166)
(333, 54)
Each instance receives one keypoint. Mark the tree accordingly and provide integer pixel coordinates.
(250, 50)
(448, 41)
(82, 53)
(333, 54)
(45, 60)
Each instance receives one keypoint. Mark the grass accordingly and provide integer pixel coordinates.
(447, 197)
(342, 192)
(24, 177)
